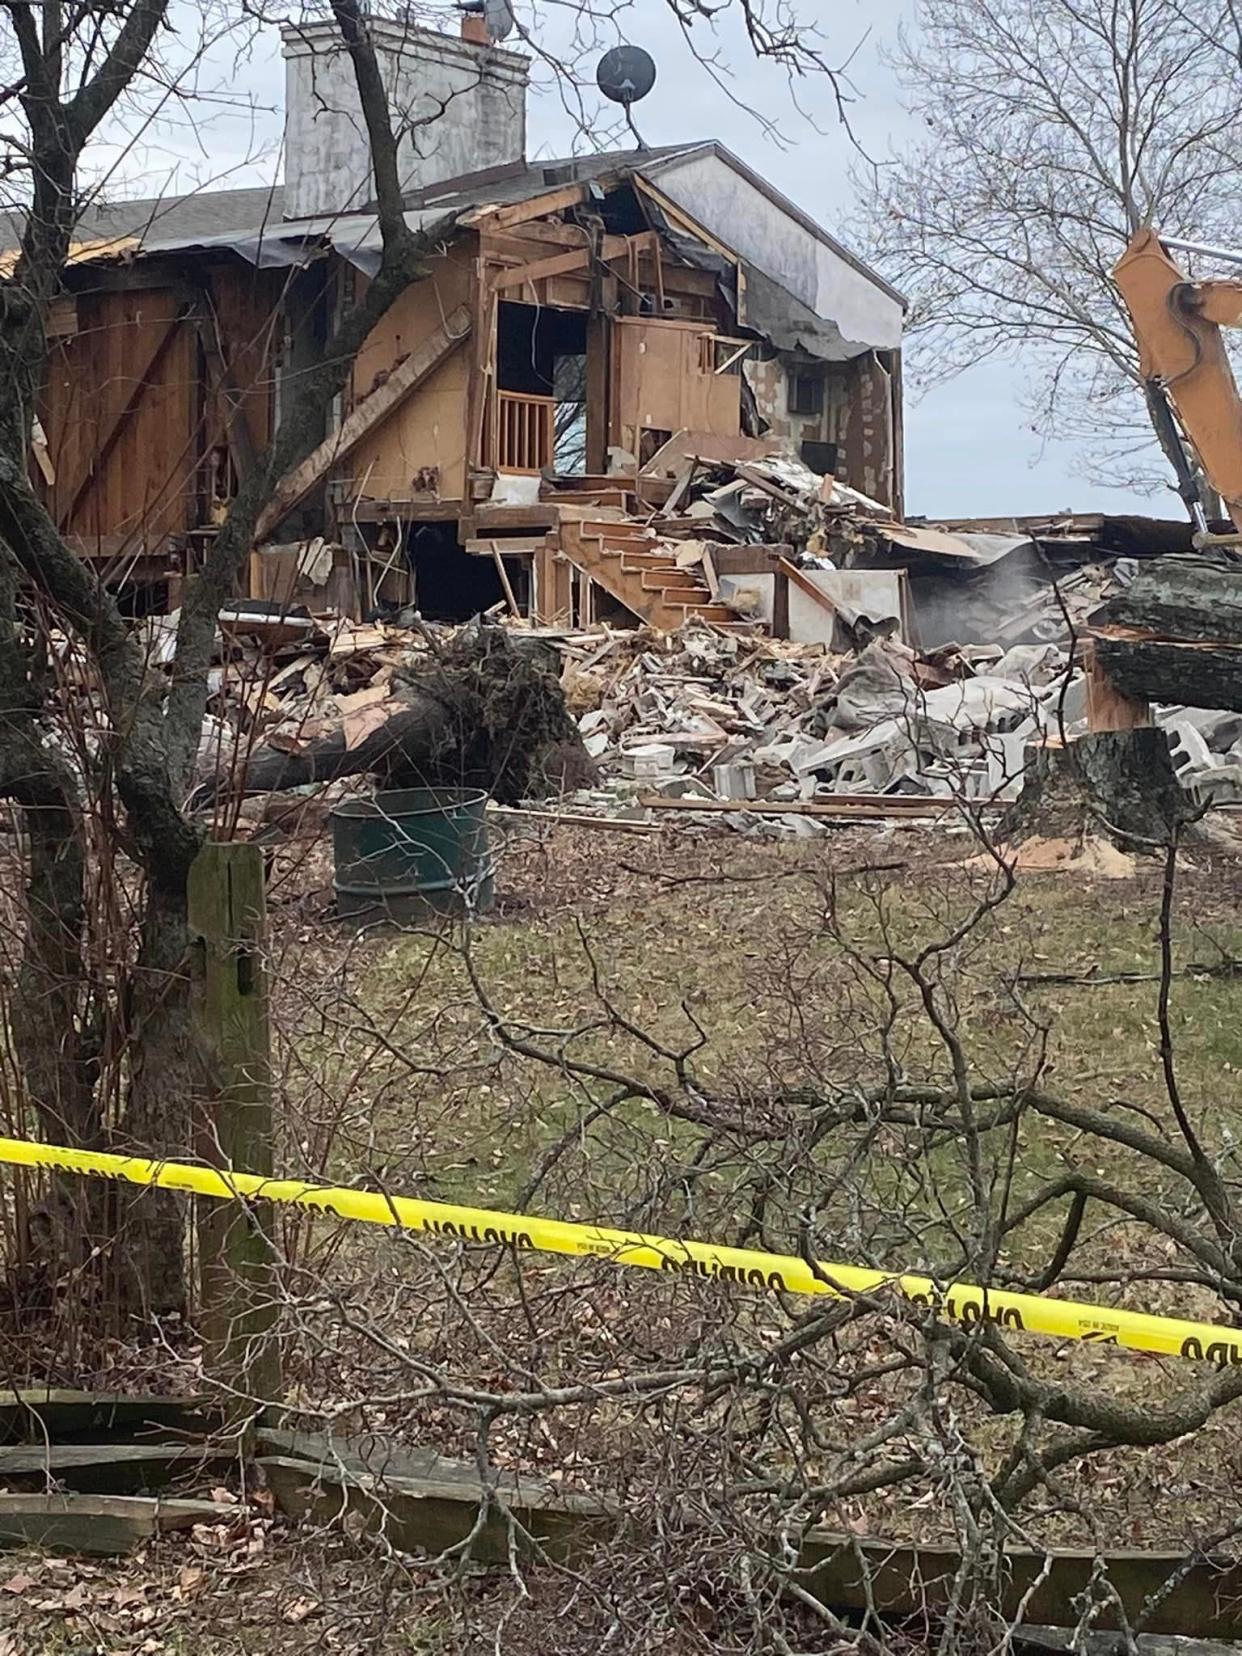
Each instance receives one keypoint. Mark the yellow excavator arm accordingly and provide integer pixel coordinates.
(1182, 356)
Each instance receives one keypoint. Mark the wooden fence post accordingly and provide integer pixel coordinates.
(228, 922)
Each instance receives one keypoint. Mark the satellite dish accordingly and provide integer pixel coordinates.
(626, 74)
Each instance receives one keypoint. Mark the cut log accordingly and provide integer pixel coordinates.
(1116, 783)
(1194, 597)
(1172, 671)
(1175, 633)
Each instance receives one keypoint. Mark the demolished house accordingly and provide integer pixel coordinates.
(640, 404)
(584, 326)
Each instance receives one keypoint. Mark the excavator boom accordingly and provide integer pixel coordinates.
(1182, 355)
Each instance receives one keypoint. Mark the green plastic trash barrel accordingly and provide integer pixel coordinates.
(411, 851)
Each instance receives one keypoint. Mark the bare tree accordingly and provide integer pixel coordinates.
(1053, 132)
(75, 68)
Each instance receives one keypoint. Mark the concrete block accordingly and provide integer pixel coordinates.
(1220, 785)
(1006, 763)
(648, 762)
(735, 780)
(1188, 751)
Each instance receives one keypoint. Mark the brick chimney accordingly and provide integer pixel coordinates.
(462, 100)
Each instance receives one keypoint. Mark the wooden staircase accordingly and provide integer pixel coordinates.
(639, 570)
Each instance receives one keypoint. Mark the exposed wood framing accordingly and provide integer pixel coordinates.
(502, 218)
(224, 386)
(679, 216)
(298, 483)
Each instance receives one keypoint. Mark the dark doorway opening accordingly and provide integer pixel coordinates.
(541, 353)
(451, 584)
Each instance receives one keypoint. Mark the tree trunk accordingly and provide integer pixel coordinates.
(167, 1081)
(1119, 783)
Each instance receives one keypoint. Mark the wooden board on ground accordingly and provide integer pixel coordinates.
(40, 1414)
(845, 805)
(899, 1579)
(430, 1514)
(110, 1468)
(97, 1524)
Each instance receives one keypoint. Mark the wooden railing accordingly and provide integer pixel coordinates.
(525, 432)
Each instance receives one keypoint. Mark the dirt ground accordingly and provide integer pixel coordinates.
(710, 943)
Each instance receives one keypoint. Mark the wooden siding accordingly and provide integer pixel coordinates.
(127, 407)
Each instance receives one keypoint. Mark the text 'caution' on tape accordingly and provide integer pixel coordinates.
(781, 1273)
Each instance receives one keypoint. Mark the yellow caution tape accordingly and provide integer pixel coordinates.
(780, 1273)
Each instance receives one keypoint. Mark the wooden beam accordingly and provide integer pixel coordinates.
(560, 264)
(804, 583)
(108, 440)
(506, 585)
(38, 1414)
(98, 1525)
(111, 1468)
(371, 412)
(555, 201)
(843, 805)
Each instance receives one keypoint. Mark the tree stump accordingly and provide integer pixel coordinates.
(1117, 783)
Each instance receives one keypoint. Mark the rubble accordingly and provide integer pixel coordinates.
(878, 711)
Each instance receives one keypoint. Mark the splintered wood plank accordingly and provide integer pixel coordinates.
(98, 1524)
(404, 379)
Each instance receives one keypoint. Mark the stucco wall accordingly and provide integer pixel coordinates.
(467, 105)
(760, 230)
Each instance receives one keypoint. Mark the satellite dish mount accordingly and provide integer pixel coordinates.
(625, 75)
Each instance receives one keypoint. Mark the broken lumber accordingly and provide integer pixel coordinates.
(95, 1524)
(848, 805)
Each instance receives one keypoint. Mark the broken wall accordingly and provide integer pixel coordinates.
(663, 382)
(128, 409)
(426, 434)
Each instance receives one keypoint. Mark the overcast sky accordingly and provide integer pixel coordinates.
(970, 450)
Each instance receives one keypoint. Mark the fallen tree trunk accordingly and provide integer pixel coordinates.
(483, 713)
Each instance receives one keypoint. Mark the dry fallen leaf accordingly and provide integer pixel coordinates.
(300, 1609)
(190, 1581)
(17, 1584)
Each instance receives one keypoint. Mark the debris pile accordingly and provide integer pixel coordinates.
(730, 718)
